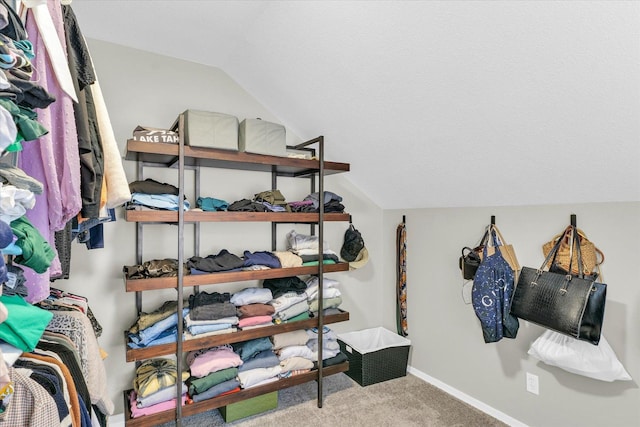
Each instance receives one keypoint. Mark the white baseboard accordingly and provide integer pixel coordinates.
(466, 398)
(116, 420)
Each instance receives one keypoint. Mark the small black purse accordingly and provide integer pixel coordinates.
(469, 263)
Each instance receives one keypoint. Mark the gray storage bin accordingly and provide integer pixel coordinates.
(211, 130)
(260, 137)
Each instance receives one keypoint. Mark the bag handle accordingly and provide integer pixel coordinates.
(549, 257)
(552, 253)
(500, 236)
(485, 238)
(490, 242)
(575, 243)
(579, 235)
(467, 248)
(582, 236)
(561, 239)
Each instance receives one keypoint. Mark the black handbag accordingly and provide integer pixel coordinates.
(570, 305)
(470, 261)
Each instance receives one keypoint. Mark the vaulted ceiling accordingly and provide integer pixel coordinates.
(434, 103)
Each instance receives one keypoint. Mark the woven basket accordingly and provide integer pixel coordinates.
(591, 256)
(380, 364)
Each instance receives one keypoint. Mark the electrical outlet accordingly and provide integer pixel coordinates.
(532, 383)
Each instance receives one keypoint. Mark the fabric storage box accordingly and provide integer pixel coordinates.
(300, 154)
(248, 407)
(375, 355)
(260, 137)
(211, 130)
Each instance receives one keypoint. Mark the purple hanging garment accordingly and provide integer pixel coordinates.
(52, 159)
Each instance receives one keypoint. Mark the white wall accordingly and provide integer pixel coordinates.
(446, 336)
(147, 89)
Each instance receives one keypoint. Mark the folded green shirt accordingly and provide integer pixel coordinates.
(200, 385)
(25, 323)
(36, 251)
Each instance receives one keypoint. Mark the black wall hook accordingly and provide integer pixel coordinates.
(493, 220)
(573, 220)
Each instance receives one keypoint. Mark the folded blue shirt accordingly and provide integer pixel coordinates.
(160, 201)
(211, 204)
(147, 335)
(264, 359)
(167, 336)
(265, 258)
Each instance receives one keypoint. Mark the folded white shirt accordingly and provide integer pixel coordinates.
(287, 300)
(296, 351)
(251, 296)
(255, 376)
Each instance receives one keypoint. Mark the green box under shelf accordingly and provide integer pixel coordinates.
(252, 406)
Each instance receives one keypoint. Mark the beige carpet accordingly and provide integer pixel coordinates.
(406, 401)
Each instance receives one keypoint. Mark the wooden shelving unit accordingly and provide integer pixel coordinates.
(180, 156)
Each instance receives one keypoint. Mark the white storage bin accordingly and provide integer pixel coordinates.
(211, 130)
(261, 137)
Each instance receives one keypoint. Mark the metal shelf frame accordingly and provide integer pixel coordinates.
(182, 157)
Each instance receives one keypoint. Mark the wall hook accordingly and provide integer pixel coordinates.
(493, 220)
(573, 220)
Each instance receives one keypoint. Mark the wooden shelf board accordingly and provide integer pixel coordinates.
(135, 285)
(167, 155)
(135, 354)
(164, 216)
(217, 402)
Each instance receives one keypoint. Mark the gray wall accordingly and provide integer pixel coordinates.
(141, 88)
(446, 336)
(148, 89)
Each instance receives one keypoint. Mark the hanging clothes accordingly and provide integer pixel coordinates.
(117, 186)
(89, 143)
(77, 326)
(401, 265)
(31, 405)
(52, 159)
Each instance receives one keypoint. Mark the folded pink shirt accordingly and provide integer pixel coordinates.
(254, 320)
(153, 409)
(213, 361)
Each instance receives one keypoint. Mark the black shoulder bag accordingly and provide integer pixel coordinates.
(470, 259)
(570, 305)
